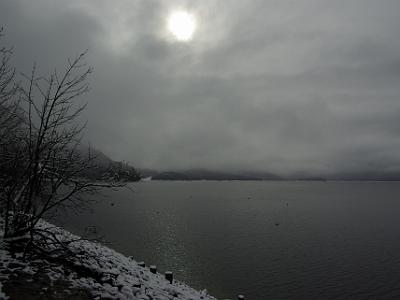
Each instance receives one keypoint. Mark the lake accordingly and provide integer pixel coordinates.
(266, 240)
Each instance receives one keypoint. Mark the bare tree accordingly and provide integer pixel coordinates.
(48, 171)
(10, 122)
(8, 90)
(10, 118)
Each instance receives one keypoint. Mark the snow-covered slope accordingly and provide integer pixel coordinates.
(97, 272)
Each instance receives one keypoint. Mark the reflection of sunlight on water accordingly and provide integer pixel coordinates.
(169, 245)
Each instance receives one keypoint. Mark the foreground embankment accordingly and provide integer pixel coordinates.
(93, 271)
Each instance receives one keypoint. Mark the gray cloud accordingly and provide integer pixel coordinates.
(285, 86)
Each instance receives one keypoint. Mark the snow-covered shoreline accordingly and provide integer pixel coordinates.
(97, 272)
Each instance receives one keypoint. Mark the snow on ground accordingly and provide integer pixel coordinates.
(97, 272)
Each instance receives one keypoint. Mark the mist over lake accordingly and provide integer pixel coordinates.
(267, 240)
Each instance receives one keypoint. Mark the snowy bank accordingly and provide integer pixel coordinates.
(95, 272)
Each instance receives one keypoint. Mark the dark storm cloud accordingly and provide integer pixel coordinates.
(285, 86)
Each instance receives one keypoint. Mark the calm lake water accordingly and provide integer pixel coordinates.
(267, 240)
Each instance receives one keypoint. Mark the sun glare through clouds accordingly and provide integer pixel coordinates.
(182, 25)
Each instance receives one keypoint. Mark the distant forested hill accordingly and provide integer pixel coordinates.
(106, 168)
(213, 175)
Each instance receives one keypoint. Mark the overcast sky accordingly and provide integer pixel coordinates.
(278, 85)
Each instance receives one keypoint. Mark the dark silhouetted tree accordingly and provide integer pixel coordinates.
(42, 165)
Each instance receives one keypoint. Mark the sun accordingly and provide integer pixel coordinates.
(182, 25)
